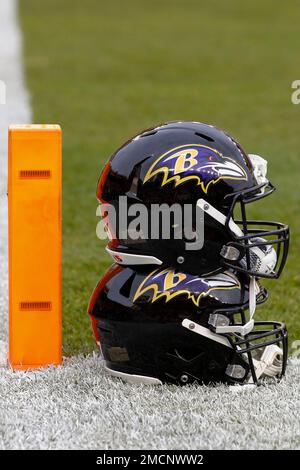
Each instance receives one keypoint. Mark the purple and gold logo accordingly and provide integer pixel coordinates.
(168, 283)
(196, 162)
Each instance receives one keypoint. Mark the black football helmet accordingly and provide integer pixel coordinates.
(164, 325)
(197, 164)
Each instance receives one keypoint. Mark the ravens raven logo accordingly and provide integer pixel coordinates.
(169, 283)
(196, 162)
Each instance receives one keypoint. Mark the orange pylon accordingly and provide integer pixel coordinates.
(35, 246)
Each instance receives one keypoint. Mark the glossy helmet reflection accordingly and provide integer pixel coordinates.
(165, 325)
(201, 165)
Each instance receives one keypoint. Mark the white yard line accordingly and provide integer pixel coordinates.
(16, 110)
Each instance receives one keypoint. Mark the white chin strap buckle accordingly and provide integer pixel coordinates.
(242, 330)
(220, 322)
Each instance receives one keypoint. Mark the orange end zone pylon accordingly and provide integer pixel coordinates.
(35, 245)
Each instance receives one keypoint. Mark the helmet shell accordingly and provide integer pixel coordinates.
(177, 163)
(137, 319)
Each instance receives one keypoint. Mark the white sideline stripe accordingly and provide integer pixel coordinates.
(15, 111)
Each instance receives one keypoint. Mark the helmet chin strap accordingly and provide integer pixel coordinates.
(243, 329)
(253, 287)
(266, 263)
(219, 217)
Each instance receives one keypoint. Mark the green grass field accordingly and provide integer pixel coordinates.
(106, 69)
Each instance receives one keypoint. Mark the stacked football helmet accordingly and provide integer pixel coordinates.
(172, 310)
